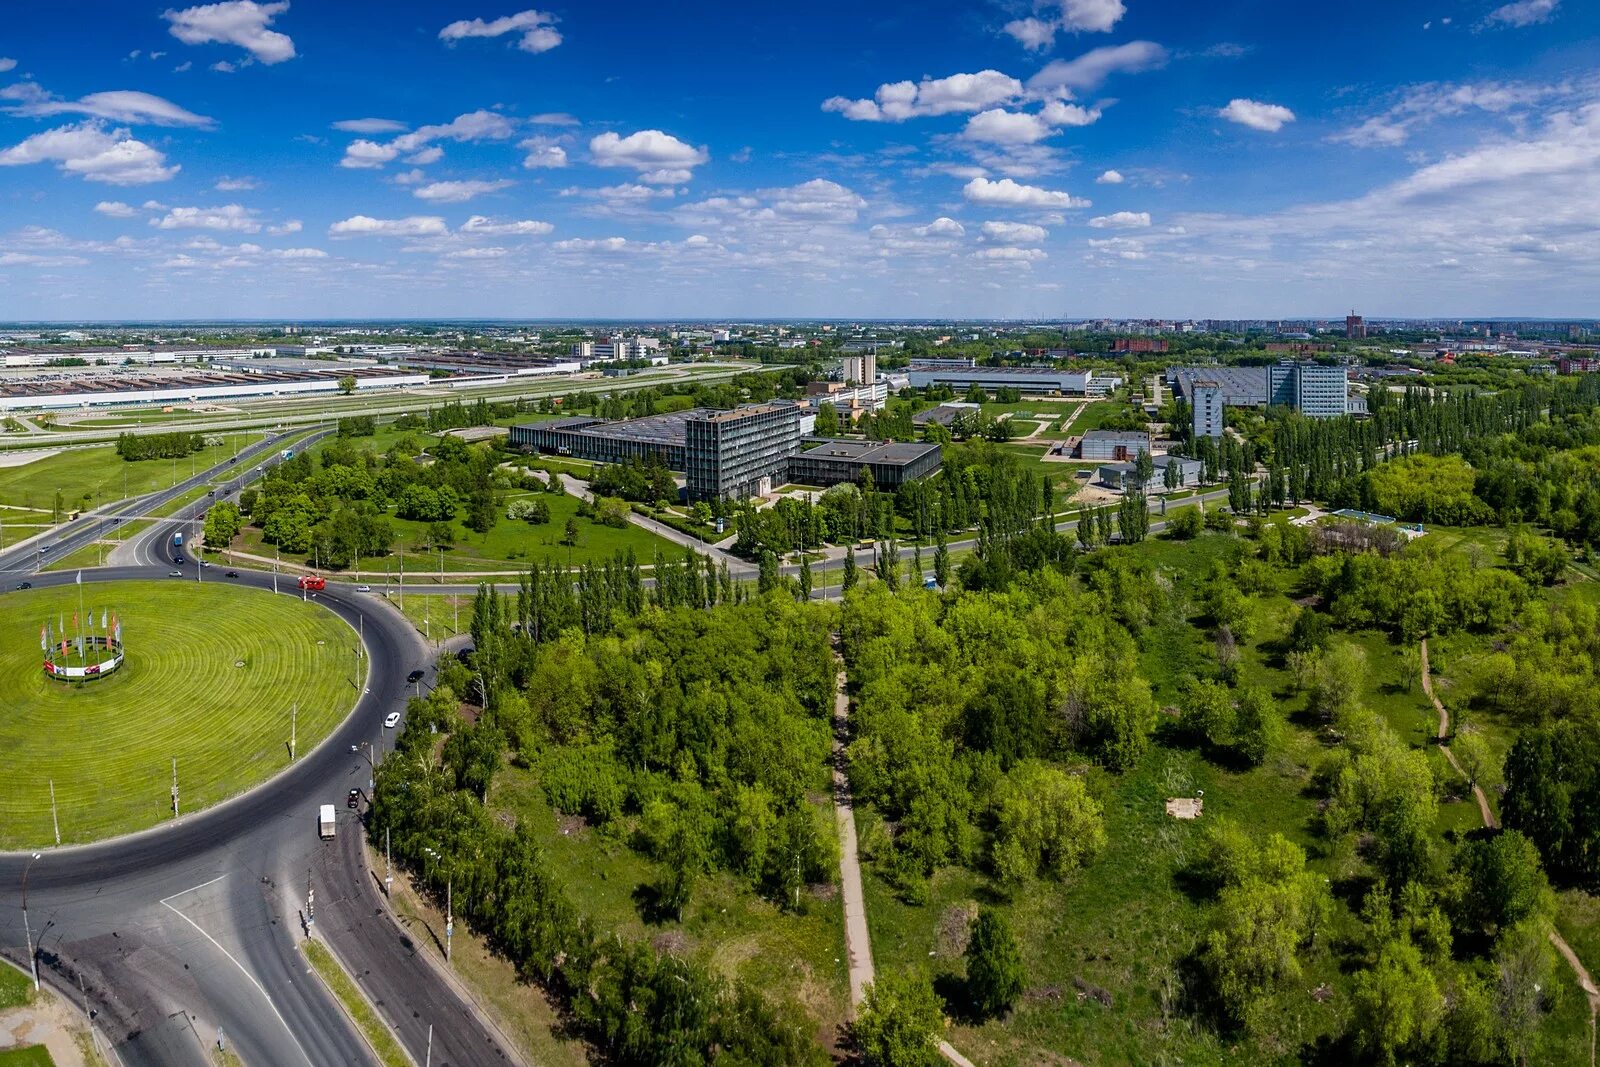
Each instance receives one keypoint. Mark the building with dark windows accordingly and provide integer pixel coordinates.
(827, 461)
(1113, 444)
(745, 452)
(1205, 408)
(740, 453)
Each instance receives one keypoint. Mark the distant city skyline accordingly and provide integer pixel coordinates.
(999, 160)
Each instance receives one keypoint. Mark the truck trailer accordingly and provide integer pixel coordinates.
(325, 822)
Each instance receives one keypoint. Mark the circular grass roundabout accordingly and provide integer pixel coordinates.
(210, 675)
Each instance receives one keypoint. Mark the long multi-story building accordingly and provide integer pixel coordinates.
(744, 452)
(1027, 379)
(1314, 390)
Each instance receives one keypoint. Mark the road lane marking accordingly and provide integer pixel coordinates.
(252, 978)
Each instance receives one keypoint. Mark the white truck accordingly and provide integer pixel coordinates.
(325, 822)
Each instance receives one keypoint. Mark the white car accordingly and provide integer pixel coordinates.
(391, 720)
(363, 588)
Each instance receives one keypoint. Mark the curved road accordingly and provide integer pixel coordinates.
(194, 926)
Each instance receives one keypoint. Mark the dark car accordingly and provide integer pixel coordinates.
(231, 574)
(353, 798)
(414, 677)
(177, 559)
(25, 585)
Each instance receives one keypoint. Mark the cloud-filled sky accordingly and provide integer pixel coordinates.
(986, 158)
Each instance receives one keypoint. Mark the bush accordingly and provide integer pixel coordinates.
(533, 511)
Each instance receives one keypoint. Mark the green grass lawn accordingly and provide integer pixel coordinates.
(29, 1056)
(1097, 415)
(108, 745)
(382, 1040)
(508, 546)
(89, 477)
(16, 989)
(727, 926)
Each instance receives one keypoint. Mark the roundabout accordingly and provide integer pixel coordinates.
(216, 676)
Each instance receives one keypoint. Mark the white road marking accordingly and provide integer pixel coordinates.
(236, 963)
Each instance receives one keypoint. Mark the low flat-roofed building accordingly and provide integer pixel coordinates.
(1125, 475)
(1113, 444)
(922, 374)
(829, 461)
(606, 441)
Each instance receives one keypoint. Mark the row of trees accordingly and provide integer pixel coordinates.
(131, 446)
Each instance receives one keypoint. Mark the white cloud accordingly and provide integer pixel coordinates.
(118, 105)
(1121, 247)
(115, 209)
(1031, 33)
(666, 176)
(958, 93)
(369, 125)
(411, 177)
(1269, 118)
(1110, 177)
(1058, 113)
(1420, 105)
(298, 253)
(818, 199)
(478, 253)
(1091, 16)
(232, 218)
(1008, 193)
(235, 185)
(7, 63)
(428, 155)
(473, 126)
(458, 192)
(223, 66)
(582, 244)
(240, 22)
(941, 227)
(481, 224)
(645, 151)
(1014, 255)
(93, 153)
(553, 118)
(1014, 233)
(411, 226)
(543, 152)
(536, 27)
(1092, 68)
(291, 226)
(1121, 220)
(1523, 13)
(998, 126)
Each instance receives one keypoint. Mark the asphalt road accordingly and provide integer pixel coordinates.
(78, 533)
(193, 926)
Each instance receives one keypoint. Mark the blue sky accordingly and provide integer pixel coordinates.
(995, 158)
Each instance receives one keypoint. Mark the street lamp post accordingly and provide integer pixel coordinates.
(27, 929)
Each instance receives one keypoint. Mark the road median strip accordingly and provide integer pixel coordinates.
(383, 1041)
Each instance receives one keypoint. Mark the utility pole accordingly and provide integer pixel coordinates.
(294, 717)
(428, 1060)
(449, 916)
(54, 820)
(274, 568)
(311, 903)
(388, 869)
(174, 787)
(402, 583)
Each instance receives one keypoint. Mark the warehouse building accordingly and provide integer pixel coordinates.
(1119, 445)
(1036, 380)
(825, 461)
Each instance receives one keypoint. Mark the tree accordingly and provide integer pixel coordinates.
(995, 975)
(1133, 518)
(569, 536)
(1499, 882)
(768, 576)
(223, 523)
(827, 421)
(1398, 1006)
(941, 562)
(1472, 752)
(1185, 522)
(1144, 469)
(1045, 821)
(347, 384)
(899, 1023)
(1257, 726)
(851, 572)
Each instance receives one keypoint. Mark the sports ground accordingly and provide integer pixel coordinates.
(210, 674)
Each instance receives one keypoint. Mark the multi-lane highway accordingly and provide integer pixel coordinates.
(175, 934)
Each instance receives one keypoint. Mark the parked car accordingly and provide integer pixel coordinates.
(174, 574)
(391, 720)
(25, 585)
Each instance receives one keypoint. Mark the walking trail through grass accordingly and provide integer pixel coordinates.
(1590, 990)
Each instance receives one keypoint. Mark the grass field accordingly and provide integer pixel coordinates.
(30, 1056)
(15, 988)
(210, 674)
(89, 477)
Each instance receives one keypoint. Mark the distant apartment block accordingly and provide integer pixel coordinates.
(1578, 365)
(617, 347)
(1355, 327)
(1138, 345)
(860, 368)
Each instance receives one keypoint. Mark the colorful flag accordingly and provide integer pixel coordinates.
(102, 618)
(44, 639)
(80, 578)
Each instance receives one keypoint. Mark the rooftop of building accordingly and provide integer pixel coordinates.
(1140, 436)
(737, 413)
(1026, 372)
(892, 452)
